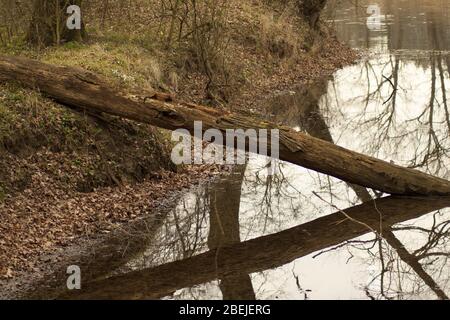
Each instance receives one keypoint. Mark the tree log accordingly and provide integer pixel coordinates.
(261, 253)
(75, 87)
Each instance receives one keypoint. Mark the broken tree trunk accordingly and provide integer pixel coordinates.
(82, 89)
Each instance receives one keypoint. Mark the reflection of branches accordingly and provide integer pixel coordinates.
(270, 195)
(359, 244)
(182, 234)
(260, 253)
(414, 263)
(369, 228)
(394, 90)
(411, 260)
(444, 93)
(435, 150)
(396, 268)
(419, 134)
(385, 118)
(437, 236)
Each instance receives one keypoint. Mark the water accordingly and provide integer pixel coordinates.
(232, 238)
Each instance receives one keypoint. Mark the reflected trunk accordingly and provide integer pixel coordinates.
(224, 203)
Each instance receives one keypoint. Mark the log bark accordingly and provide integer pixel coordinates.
(261, 253)
(75, 87)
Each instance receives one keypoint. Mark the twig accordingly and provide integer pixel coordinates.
(347, 216)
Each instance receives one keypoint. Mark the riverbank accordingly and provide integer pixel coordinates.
(67, 176)
(110, 251)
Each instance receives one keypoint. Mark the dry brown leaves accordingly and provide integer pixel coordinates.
(47, 216)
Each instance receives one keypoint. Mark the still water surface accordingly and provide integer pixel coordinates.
(393, 105)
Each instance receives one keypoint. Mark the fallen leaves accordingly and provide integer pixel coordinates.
(47, 216)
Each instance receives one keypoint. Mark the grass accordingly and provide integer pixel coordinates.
(131, 49)
(25, 114)
(10, 95)
(125, 65)
(90, 153)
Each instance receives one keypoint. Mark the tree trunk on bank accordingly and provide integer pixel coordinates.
(48, 23)
(79, 88)
(311, 10)
(261, 253)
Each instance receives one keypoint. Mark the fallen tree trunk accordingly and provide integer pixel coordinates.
(261, 253)
(82, 89)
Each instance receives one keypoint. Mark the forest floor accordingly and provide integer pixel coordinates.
(66, 176)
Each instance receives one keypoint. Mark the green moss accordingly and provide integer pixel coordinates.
(84, 153)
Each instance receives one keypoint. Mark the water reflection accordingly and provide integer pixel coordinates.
(250, 235)
(405, 24)
(399, 107)
(236, 259)
(224, 230)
